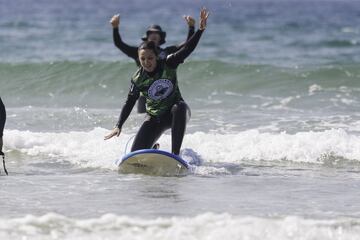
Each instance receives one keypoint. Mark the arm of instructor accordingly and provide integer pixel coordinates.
(130, 51)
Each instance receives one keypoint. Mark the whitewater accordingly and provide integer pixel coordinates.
(273, 140)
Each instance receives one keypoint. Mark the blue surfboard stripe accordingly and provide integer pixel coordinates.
(142, 151)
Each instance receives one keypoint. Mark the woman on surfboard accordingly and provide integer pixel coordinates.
(155, 34)
(156, 80)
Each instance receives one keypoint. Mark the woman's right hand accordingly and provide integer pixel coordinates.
(115, 21)
(115, 132)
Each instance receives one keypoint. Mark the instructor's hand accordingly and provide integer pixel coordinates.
(115, 132)
(204, 14)
(115, 21)
(190, 21)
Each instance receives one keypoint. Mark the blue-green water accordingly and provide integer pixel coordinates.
(274, 89)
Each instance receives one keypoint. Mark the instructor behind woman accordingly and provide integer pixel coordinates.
(154, 34)
(156, 80)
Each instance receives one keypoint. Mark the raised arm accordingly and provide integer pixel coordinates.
(191, 23)
(179, 56)
(130, 51)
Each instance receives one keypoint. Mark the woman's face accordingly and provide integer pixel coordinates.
(147, 59)
(154, 37)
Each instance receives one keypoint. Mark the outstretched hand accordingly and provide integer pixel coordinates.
(115, 132)
(190, 21)
(204, 14)
(115, 21)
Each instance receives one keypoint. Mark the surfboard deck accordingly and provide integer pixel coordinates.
(153, 162)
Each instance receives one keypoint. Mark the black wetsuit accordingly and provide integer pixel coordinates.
(2, 118)
(175, 117)
(132, 52)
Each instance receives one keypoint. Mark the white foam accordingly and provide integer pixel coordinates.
(309, 147)
(88, 149)
(207, 226)
(314, 88)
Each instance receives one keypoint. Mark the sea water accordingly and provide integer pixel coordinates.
(274, 90)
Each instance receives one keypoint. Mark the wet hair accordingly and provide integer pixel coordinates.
(150, 45)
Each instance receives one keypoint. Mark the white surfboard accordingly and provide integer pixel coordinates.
(153, 162)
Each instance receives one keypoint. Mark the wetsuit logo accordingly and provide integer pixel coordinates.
(160, 89)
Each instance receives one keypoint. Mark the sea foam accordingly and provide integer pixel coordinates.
(205, 226)
(89, 149)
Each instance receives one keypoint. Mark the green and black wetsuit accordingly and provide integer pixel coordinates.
(132, 52)
(164, 104)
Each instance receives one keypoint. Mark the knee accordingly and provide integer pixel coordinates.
(181, 108)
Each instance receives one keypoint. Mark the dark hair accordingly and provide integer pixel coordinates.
(150, 45)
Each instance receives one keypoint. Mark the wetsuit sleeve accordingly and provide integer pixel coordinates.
(190, 33)
(172, 49)
(130, 51)
(133, 95)
(179, 56)
(2, 117)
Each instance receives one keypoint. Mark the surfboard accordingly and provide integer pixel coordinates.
(153, 162)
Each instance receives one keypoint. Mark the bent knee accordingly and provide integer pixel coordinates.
(181, 108)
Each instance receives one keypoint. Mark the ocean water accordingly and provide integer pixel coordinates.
(274, 89)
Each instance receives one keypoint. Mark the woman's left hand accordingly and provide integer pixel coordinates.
(204, 14)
